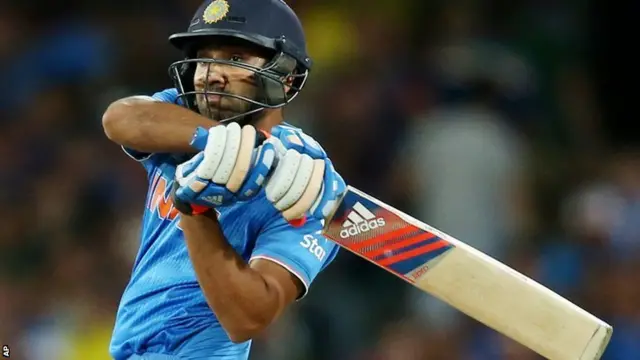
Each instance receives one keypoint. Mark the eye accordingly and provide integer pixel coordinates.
(236, 58)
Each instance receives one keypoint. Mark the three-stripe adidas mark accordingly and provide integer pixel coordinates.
(360, 220)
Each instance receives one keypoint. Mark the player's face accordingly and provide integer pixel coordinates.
(226, 78)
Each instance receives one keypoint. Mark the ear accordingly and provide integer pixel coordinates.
(288, 81)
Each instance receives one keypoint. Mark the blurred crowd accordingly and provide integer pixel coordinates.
(482, 121)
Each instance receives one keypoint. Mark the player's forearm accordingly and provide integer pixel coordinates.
(152, 127)
(244, 302)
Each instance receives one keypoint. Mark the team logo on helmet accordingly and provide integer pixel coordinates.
(216, 11)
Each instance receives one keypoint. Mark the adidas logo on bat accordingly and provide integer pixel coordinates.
(360, 220)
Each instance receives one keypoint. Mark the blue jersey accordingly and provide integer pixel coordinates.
(163, 310)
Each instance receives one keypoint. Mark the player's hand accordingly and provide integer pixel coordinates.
(304, 180)
(228, 168)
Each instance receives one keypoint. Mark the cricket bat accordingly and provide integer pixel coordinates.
(467, 279)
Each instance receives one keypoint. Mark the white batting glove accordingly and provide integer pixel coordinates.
(228, 168)
(304, 180)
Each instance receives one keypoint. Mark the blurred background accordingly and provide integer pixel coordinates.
(504, 123)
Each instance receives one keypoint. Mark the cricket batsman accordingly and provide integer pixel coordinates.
(236, 198)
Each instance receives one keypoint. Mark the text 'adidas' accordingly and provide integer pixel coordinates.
(360, 220)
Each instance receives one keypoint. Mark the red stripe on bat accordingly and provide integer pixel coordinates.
(413, 253)
(400, 244)
(383, 237)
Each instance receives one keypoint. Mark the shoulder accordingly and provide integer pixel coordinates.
(301, 249)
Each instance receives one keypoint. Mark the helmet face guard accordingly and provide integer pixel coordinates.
(277, 83)
(269, 25)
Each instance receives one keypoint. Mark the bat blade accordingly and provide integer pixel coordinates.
(467, 279)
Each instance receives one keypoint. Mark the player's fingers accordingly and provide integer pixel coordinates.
(339, 188)
(188, 167)
(213, 152)
(264, 162)
(310, 194)
(186, 175)
(289, 139)
(327, 187)
(279, 148)
(190, 187)
(243, 162)
(333, 188)
(185, 194)
(299, 184)
(293, 138)
(232, 146)
(283, 176)
(311, 147)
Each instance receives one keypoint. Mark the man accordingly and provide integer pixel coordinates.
(230, 236)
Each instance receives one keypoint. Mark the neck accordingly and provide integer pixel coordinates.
(269, 119)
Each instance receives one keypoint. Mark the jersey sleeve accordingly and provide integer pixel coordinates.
(302, 250)
(151, 161)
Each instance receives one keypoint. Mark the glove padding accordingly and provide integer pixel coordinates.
(227, 168)
(304, 180)
(298, 177)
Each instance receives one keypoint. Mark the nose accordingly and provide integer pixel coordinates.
(211, 76)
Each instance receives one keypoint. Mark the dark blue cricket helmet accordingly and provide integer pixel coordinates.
(270, 25)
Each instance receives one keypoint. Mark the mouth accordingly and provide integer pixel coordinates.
(213, 99)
